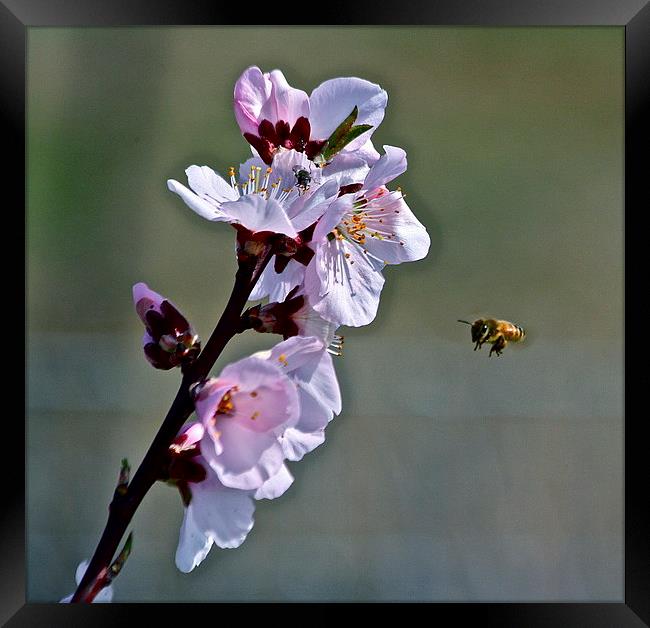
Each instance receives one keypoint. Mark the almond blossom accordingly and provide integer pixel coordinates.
(272, 115)
(355, 239)
(244, 411)
(264, 200)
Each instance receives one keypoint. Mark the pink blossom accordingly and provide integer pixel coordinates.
(272, 115)
(244, 411)
(214, 514)
(358, 235)
(169, 339)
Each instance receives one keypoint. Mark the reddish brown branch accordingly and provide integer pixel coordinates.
(123, 506)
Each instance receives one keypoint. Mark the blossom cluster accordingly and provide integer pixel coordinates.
(314, 193)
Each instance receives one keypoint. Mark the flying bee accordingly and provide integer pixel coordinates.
(498, 333)
(303, 178)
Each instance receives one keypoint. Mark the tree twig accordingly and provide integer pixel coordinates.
(124, 505)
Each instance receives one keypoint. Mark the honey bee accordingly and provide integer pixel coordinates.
(498, 333)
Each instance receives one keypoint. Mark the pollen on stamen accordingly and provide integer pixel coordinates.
(336, 346)
(282, 359)
(226, 406)
(254, 394)
(255, 415)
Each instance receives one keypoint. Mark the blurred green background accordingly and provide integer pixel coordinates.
(448, 476)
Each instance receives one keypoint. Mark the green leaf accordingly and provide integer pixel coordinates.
(341, 131)
(352, 134)
(343, 135)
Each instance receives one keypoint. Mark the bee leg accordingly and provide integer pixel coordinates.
(498, 346)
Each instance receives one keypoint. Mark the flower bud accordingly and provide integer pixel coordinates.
(275, 318)
(169, 339)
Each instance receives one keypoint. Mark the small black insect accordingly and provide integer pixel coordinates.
(303, 178)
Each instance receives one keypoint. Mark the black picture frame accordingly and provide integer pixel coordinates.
(17, 15)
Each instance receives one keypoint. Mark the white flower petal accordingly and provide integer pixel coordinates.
(332, 217)
(333, 101)
(256, 213)
(346, 169)
(309, 207)
(203, 208)
(319, 380)
(275, 486)
(344, 290)
(193, 543)
(278, 285)
(297, 352)
(296, 444)
(314, 415)
(407, 229)
(389, 166)
(215, 514)
(248, 459)
(224, 514)
(207, 184)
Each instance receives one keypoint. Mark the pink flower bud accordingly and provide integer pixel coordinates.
(169, 340)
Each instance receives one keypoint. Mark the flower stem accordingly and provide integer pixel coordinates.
(123, 506)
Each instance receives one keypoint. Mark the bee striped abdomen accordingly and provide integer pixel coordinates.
(516, 333)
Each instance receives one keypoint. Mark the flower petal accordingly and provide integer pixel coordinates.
(259, 214)
(367, 152)
(407, 229)
(253, 374)
(209, 185)
(296, 444)
(193, 543)
(332, 101)
(210, 396)
(190, 434)
(343, 290)
(346, 168)
(311, 323)
(332, 217)
(203, 208)
(314, 416)
(318, 379)
(390, 165)
(285, 102)
(216, 514)
(275, 486)
(309, 207)
(248, 458)
(278, 285)
(252, 90)
(296, 352)
(145, 299)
